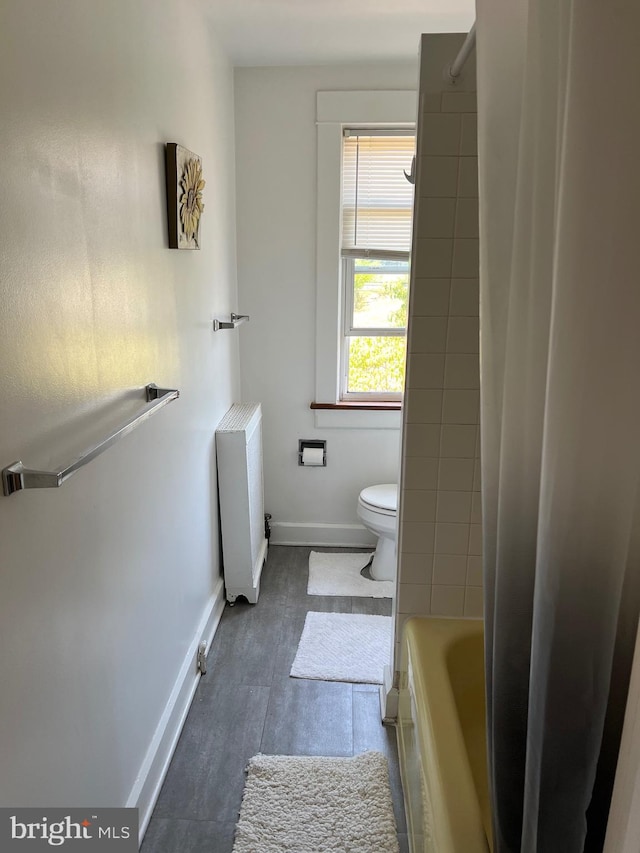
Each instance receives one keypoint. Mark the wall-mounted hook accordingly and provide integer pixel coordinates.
(411, 177)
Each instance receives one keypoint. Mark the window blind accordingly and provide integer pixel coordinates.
(377, 199)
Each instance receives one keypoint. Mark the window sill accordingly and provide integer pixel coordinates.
(358, 415)
(361, 405)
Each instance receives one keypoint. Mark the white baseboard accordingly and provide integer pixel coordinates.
(388, 696)
(325, 535)
(154, 768)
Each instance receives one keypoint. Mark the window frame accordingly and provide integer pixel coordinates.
(348, 274)
(334, 112)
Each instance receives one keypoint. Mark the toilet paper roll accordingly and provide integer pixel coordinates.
(312, 456)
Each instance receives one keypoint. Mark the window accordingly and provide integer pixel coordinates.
(377, 205)
(335, 111)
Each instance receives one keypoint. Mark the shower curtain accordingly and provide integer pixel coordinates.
(559, 172)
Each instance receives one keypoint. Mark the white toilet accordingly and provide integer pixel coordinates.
(377, 510)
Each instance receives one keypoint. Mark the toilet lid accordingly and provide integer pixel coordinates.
(384, 496)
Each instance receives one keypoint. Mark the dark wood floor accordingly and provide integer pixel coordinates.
(247, 703)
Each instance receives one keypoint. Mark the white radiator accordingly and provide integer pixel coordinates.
(240, 489)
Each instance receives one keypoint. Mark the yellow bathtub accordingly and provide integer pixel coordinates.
(442, 736)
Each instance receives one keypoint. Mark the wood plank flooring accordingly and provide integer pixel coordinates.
(247, 703)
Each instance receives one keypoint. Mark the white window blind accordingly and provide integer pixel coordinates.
(377, 199)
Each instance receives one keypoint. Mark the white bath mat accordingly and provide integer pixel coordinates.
(339, 574)
(343, 647)
(306, 804)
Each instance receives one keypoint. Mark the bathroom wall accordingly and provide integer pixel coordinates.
(108, 583)
(276, 166)
(440, 567)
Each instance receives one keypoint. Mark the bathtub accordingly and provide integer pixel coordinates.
(442, 736)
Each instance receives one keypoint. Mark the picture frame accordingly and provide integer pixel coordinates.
(185, 185)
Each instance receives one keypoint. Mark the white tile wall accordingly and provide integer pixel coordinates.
(449, 569)
(423, 440)
(465, 258)
(454, 506)
(458, 440)
(473, 603)
(458, 102)
(431, 102)
(433, 257)
(452, 538)
(424, 407)
(465, 297)
(468, 177)
(461, 372)
(420, 505)
(439, 177)
(475, 540)
(420, 473)
(429, 334)
(414, 598)
(469, 140)
(466, 221)
(427, 370)
(418, 537)
(440, 537)
(476, 508)
(456, 475)
(440, 134)
(418, 568)
(462, 336)
(447, 600)
(474, 571)
(460, 407)
(432, 297)
(438, 218)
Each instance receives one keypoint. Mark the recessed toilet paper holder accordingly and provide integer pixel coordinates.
(312, 443)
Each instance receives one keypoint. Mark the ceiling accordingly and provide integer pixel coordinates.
(316, 32)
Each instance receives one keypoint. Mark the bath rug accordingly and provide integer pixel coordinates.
(305, 804)
(343, 647)
(339, 574)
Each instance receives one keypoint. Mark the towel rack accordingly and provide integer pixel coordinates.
(16, 477)
(236, 320)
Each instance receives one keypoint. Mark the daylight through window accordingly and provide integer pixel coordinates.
(377, 208)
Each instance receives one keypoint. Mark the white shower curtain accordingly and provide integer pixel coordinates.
(559, 165)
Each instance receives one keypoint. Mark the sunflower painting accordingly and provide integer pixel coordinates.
(185, 185)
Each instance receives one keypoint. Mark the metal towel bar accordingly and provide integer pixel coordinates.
(16, 477)
(236, 320)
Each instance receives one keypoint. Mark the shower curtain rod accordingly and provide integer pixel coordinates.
(455, 69)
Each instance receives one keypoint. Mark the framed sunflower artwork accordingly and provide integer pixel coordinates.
(185, 185)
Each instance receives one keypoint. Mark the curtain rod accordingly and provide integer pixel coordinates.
(455, 69)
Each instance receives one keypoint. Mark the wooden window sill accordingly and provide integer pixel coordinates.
(360, 406)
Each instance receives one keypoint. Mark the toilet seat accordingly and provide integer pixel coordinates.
(382, 499)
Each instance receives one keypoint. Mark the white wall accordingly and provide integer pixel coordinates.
(106, 583)
(276, 215)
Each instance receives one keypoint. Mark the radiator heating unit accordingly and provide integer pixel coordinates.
(241, 497)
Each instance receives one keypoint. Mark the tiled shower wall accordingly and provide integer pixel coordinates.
(439, 546)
